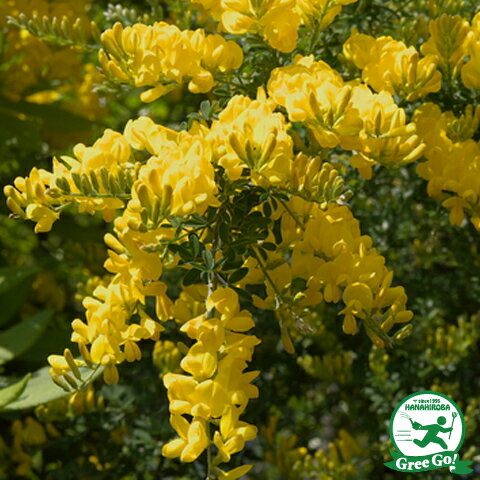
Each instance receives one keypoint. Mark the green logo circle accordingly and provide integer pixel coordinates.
(427, 422)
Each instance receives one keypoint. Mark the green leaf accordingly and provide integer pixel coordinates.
(20, 337)
(237, 275)
(194, 244)
(181, 250)
(192, 276)
(11, 393)
(208, 259)
(269, 246)
(41, 389)
(205, 108)
(243, 294)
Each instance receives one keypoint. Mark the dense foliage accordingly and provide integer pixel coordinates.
(256, 186)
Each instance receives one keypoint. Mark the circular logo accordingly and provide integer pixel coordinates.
(426, 423)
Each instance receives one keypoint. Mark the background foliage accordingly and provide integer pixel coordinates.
(323, 412)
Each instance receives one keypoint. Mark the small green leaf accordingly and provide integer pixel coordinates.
(12, 392)
(191, 277)
(194, 244)
(269, 246)
(237, 275)
(20, 337)
(267, 210)
(205, 108)
(208, 259)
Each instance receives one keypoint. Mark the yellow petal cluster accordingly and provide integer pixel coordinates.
(471, 69)
(321, 11)
(217, 389)
(178, 179)
(276, 21)
(249, 134)
(389, 65)
(339, 265)
(452, 168)
(346, 114)
(161, 56)
(450, 36)
(95, 178)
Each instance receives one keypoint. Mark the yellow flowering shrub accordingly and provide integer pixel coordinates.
(242, 212)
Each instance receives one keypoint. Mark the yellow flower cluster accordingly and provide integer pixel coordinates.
(165, 193)
(277, 21)
(347, 114)
(217, 390)
(471, 69)
(96, 178)
(162, 57)
(332, 367)
(177, 179)
(452, 168)
(448, 42)
(248, 134)
(455, 45)
(339, 265)
(389, 65)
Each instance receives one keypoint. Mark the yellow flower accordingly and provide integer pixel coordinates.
(192, 439)
(248, 134)
(162, 57)
(321, 11)
(389, 65)
(216, 54)
(43, 216)
(349, 115)
(179, 181)
(471, 70)
(449, 40)
(386, 138)
(218, 387)
(276, 21)
(452, 164)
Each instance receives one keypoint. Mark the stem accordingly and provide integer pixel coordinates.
(278, 294)
(313, 38)
(121, 196)
(291, 213)
(90, 377)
